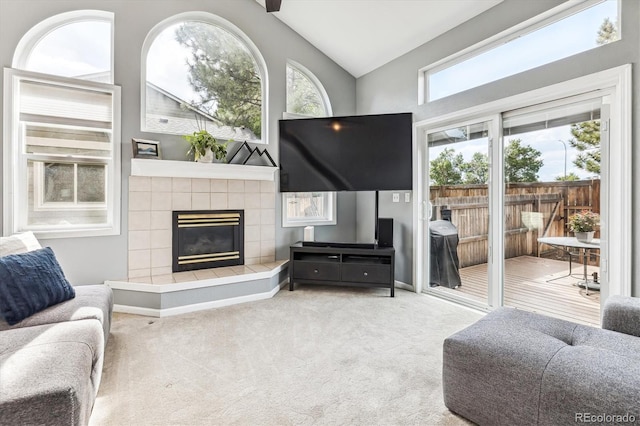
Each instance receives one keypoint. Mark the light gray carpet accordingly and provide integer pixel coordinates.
(315, 356)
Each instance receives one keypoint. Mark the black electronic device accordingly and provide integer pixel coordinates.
(385, 232)
(354, 153)
(272, 5)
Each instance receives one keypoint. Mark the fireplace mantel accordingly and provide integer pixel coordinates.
(190, 169)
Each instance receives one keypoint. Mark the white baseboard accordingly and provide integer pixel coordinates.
(178, 310)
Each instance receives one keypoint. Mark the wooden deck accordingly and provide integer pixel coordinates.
(527, 287)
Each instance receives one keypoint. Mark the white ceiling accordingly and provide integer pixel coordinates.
(362, 35)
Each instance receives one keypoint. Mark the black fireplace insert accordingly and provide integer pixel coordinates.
(207, 239)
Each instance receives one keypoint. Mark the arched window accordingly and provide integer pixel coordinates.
(306, 98)
(200, 71)
(305, 94)
(76, 44)
(63, 128)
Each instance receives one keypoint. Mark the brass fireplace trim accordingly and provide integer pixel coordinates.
(193, 222)
(210, 257)
(210, 219)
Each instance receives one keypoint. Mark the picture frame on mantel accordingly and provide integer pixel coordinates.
(144, 148)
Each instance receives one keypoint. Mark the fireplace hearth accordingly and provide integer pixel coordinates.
(207, 239)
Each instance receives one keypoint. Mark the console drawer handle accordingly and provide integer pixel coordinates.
(315, 271)
(366, 274)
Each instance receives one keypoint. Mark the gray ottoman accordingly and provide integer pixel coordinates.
(516, 367)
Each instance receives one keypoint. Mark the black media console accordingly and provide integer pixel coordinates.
(359, 265)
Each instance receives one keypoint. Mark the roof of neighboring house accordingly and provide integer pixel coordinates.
(173, 119)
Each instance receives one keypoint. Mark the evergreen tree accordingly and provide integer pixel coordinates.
(224, 75)
(607, 32)
(586, 136)
(586, 139)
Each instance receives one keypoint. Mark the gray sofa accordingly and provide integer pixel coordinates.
(515, 367)
(51, 362)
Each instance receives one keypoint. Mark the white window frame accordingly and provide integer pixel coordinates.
(208, 18)
(551, 16)
(15, 190)
(42, 29)
(39, 184)
(330, 197)
(331, 219)
(617, 262)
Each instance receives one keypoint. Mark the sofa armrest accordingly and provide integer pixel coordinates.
(622, 314)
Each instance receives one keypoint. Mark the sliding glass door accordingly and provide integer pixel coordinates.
(552, 174)
(501, 192)
(501, 183)
(457, 232)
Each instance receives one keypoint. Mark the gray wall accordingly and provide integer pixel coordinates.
(394, 88)
(93, 260)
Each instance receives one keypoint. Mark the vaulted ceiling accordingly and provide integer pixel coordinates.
(362, 35)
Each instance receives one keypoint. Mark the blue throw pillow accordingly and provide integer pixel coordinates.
(31, 282)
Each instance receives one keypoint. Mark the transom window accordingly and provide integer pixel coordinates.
(201, 72)
(567, 32)
(306, 98)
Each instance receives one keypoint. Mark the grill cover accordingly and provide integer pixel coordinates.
(444, 254)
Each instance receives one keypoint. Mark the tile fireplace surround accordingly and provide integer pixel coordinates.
(152, 199)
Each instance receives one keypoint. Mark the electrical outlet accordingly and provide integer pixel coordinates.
(407, 197)
(396, 197)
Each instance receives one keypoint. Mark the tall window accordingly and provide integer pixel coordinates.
(306, 98)
(550, 38)
(62, 130)
(200, 72)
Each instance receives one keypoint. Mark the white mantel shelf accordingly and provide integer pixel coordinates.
(190, 169)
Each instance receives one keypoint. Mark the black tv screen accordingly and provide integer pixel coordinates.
(355, 153)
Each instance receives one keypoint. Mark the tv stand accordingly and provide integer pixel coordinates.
(356, 265)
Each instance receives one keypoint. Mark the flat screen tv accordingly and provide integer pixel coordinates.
(355, 153)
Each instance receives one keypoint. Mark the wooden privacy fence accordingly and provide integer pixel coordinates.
(531, 210)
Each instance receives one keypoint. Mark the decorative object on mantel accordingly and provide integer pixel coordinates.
(251, 153)
(583, 225)
(143, 148)
(205, 147)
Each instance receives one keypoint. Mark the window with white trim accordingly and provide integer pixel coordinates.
(201, 72)
(306, 98)
(62, 132)
(560, 33)
(76, 44)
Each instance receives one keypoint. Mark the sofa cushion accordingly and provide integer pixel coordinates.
(493, 368)
(91, 302)
(583, 382)
(517, 367)
(18, 243)
(31, 282)
(50, 373)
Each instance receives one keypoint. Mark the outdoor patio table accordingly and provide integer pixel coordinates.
(585, 248)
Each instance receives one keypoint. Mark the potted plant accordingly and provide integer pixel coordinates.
(205, 147)
(584, 224)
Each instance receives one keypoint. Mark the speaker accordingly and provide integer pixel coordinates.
(385, 232)
(272, 5)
